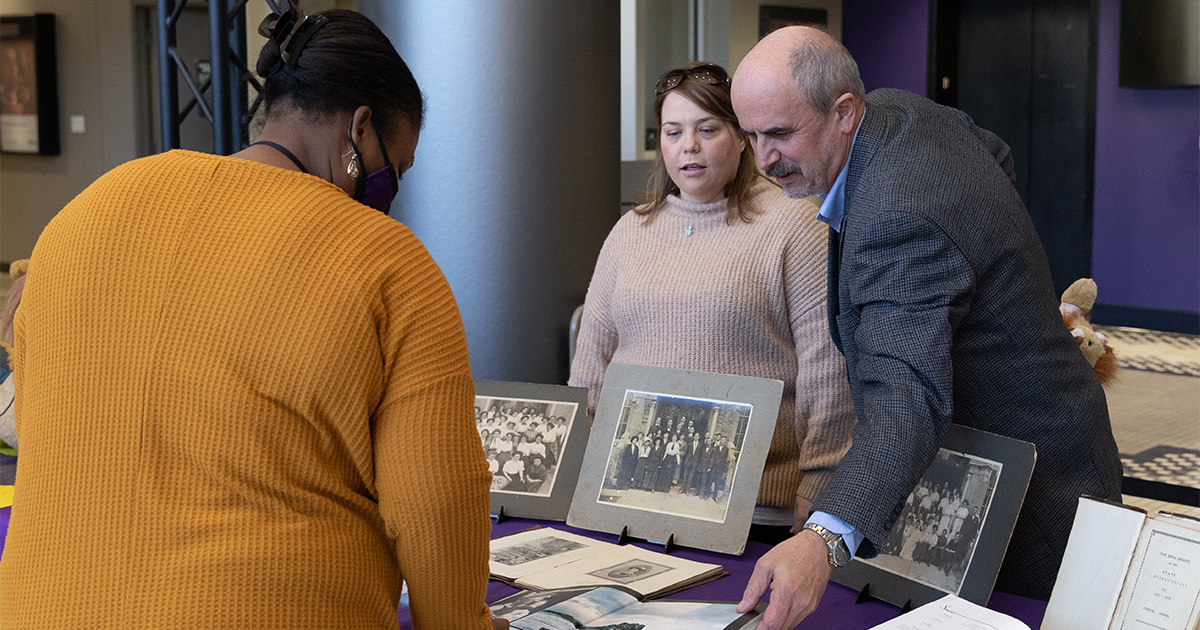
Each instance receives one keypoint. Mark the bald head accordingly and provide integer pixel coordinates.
(798, 98)
(816, 65)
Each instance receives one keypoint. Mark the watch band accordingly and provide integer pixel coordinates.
(839, 553)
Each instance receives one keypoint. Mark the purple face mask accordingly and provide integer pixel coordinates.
(379, 188)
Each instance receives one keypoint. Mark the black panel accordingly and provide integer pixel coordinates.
(994, 65)
(1150, 318)
(1060, 188)
(1025, 70)
(943, 52)
(1160, 43)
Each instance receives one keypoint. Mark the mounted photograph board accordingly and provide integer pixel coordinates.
(533, 436)
(676, 456)
(954, 529)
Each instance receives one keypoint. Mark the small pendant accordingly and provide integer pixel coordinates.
(689, 231)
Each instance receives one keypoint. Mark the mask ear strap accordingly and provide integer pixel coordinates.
(382, 148)
(387, 161)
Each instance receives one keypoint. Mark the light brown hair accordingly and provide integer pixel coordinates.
(714, 99)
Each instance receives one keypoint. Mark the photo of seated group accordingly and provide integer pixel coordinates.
(675, 455)
(935, 536)
(523, 441)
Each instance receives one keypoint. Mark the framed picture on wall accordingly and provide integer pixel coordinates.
(28, 85)
(774, 18)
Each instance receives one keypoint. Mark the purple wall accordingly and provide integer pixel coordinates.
(1146, 234)
(889, 40)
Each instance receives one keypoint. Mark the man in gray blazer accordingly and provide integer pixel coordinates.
(940, 299)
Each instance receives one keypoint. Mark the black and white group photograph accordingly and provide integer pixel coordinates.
(523, 440)
(934, 538)
(675, 455)
(534, 550)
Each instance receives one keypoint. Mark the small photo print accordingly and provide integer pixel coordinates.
(534, 550)
(675, 455)
(934, 539)
(630, 571)
(523, 440)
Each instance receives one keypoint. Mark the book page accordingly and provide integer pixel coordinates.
(579, 611)
(609, 607)
(541, 549)
(952, 613)
(632, 567)
(1190, 522)
(1162, 589)
(1103, 539)
(670, 615)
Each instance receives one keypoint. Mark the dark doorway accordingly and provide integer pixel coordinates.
(1025, 70)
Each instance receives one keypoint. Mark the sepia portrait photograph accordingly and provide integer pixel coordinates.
(675, 455)
(630, 571)
(934, 539)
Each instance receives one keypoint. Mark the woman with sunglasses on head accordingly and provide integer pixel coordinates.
(718, 271)
(243, 391)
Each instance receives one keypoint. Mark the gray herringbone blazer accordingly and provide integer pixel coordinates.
(941, 300)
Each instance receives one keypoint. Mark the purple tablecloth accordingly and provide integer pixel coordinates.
(836, 612)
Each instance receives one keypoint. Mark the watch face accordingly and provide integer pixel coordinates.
(839, 555)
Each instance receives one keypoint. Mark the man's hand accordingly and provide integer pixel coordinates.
(797, 571)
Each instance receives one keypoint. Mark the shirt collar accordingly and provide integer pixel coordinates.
(833, 206)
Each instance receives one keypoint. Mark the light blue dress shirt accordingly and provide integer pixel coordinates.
(833, 209)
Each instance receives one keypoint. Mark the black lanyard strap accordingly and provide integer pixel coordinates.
(288, 154)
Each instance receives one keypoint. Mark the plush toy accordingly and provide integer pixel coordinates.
(1076, 309)
(8, 422)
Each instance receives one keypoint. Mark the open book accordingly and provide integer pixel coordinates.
(1123, 569)
(616, 608)
(542, 558)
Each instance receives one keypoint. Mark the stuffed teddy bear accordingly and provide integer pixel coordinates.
(1076, 309)
(8, 421)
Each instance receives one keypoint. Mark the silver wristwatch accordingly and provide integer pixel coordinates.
(839, 553)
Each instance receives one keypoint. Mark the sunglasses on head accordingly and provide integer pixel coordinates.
(709, 73)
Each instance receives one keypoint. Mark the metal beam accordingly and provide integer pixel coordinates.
(223, 99)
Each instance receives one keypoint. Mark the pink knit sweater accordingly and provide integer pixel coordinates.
(747, 298)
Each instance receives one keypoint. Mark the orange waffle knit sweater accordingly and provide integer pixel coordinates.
(244, 401)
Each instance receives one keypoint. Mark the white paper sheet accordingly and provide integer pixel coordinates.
(952, 613)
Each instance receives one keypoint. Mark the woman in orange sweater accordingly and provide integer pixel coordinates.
(243, 392)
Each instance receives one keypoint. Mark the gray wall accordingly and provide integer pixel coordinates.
(95, 80)
(517, 177)
(102, 78)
